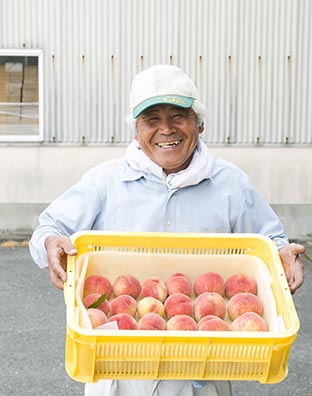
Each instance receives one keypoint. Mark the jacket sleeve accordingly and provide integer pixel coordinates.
(257, 216)
(75, 210)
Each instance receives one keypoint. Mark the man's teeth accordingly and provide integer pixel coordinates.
(168, 144)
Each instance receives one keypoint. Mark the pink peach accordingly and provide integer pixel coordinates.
(150, 304)
(98, 284)
(209, 282)
(97, 317)
(126, 284)
(213, 323)
(92, 298)
(178, 304)
(152, 321)
(123, 304)
(124, 321)
(179, 283)
(154, 287)
(181, 322)
(209, 303)
(244, 302)
(240, 283)
(249, 321)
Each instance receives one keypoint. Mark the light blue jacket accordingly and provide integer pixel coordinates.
(113, 196)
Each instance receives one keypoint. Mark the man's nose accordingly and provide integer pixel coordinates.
(166, 127)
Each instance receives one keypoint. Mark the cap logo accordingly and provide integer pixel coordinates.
(174, 99)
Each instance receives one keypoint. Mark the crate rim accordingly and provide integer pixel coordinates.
(252, 335)
(192, 235)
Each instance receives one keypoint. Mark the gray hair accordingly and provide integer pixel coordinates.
(198, 107)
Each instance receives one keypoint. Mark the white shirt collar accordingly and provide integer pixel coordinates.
(198, 170)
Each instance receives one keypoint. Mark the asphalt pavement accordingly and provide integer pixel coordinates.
(33, 329)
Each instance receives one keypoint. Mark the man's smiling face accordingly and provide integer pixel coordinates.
(168, 135)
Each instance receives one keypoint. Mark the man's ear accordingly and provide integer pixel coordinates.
(136, 136)
(201, 128)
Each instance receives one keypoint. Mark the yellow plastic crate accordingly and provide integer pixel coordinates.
(92, 355)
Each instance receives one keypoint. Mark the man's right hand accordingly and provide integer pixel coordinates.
(58, 247)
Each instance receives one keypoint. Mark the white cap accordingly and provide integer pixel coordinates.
(158, 84)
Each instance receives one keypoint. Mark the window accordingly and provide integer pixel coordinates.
(21, 95)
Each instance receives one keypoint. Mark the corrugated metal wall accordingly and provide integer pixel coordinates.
(252, 60)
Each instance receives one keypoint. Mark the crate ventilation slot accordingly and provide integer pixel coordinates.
(169, 250)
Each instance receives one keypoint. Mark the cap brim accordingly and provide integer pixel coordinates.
(175, 100)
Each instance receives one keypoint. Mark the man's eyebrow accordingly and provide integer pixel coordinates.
(156, 109)
(150, 111)
(179, 109)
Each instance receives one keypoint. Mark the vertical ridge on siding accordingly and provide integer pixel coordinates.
(252, 61)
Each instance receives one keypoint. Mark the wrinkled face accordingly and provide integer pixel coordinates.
(168, 136)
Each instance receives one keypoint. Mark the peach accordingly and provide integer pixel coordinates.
(244, 302)
(240, 283)
(151, 321)
(150, 304)
(97, 317)
(154, 287)
(123, 304)
(124, 321)
(213, 323)
(209, 303)
(98, 284)
(209, 282)
(179, 283)
(92, 298)
(178, 304)
(126, 284)
(181, 322)
(249, 321)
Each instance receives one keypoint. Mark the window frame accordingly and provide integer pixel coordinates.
(28, 138)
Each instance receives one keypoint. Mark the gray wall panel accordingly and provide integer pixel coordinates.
(252, 61)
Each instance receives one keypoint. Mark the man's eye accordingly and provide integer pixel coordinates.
(149, 120)
(178, 116)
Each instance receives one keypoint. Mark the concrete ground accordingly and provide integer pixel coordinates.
(33, 334)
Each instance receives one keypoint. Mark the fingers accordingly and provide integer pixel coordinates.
(57, 275)
(68, 247)
(57, 265)
(60, 242)
(58, 247)
(296, 248)
(297, 275)
(292, 264)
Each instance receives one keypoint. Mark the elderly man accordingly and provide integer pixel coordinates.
(167, 181)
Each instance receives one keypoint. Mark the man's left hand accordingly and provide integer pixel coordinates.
(292, 264)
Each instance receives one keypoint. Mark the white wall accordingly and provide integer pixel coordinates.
(39, 174)
(33, 176)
